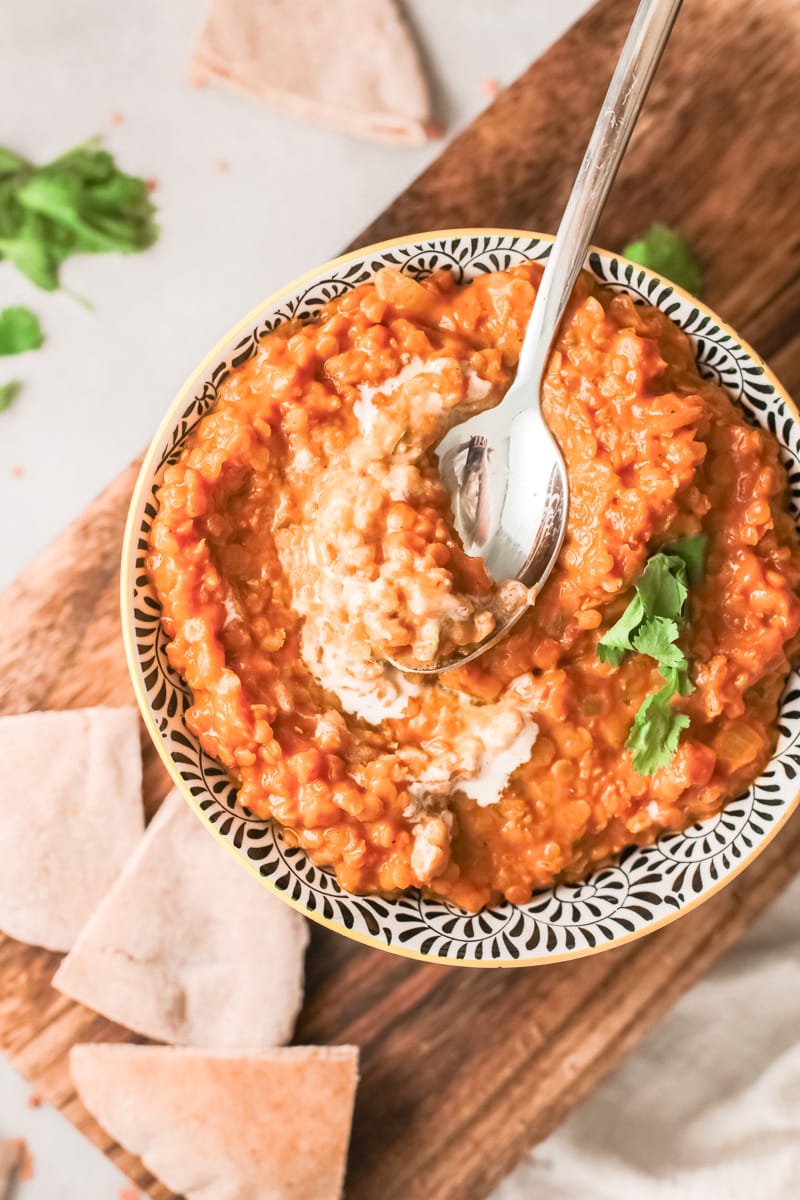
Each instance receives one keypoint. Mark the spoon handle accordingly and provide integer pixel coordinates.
(626, 94)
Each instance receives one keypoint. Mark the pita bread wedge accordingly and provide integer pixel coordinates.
(187, 947)
(70, 816)
(351, 64)
(229, 1125)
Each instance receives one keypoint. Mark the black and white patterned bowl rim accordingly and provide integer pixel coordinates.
(647, 887)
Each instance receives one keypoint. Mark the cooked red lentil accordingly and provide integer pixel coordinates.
(303, 536)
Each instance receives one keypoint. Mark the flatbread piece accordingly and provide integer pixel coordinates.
(70, 816)
(351, 64)
(188, 948)
(227, 1126)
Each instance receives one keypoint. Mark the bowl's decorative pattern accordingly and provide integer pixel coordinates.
(646, 886)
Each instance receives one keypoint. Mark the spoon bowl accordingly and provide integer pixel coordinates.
(495, 468)
(509, 487)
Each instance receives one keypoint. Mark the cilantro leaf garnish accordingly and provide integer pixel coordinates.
(19, 331)
(657, 638)
(619, 639)
(81, 203)
(666, 252)
(651, 625)
(7, 393)
(663, 587)
(656, 729)
(660, 593)
(692, 550)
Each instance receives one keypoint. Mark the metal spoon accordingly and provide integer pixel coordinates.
(505, 474)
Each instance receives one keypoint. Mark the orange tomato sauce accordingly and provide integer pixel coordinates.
(304, 536)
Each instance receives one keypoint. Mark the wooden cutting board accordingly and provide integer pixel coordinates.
(463, 1071)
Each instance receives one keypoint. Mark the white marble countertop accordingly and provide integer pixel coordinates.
(292, 196)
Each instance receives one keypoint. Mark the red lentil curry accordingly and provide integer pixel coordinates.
(304, 536)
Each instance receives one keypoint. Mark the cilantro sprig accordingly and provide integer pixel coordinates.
(651, 625)
(80, 203)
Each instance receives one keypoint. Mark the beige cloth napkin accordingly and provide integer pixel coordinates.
(708, 1108)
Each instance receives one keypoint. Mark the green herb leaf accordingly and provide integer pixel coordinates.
(19, 331)
(33, 252)
(79, 203)
(657, 638)
(667, 253)
(7, 393)
(676, 675)
(663, 588)
(651, 625)
(655, 733)
(11, 162)
(619, 638)
(693, 552)
(660, 593)
(101, 217)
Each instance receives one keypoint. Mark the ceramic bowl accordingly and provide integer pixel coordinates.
(647, 887)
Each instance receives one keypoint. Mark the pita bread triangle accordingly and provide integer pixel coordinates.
(351, 64)
(187, 947)
(227, 1125)
(70, 816)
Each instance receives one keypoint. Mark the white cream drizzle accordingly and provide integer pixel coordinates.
(495, 739)
(488, 784)
(387, 699)
(373, 691)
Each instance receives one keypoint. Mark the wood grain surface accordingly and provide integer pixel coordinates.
(463, 1071)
